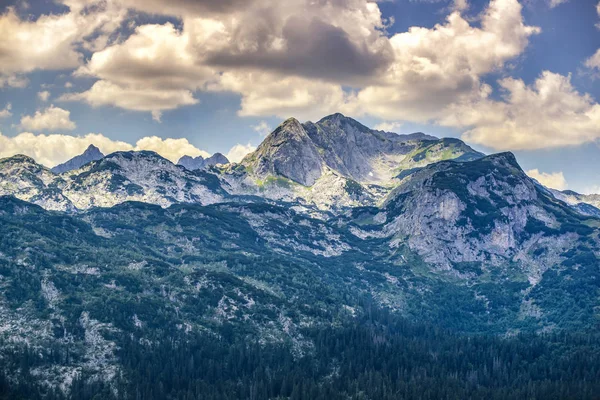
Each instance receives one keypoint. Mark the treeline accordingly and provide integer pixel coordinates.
(378, 358)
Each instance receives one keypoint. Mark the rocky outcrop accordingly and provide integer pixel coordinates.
(288, 152)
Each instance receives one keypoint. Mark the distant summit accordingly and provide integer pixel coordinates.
(191, 163)
(92, 153)
(195, 163)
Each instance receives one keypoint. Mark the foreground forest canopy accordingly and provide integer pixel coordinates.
(380, 357)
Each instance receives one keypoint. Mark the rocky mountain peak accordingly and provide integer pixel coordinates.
(215, 159)
(289, 152)
(92, 153)
(199, 162)
(191, 163)
(348, 148)
(506, 158)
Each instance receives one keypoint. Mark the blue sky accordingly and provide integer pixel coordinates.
(504, 75)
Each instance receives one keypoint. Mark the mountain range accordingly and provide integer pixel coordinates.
(324, 224)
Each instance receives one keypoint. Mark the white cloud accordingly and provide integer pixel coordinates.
(266, 94)
(262, 128)
(51, 119)
(547, 114)
(554, 3)
(460, 5)
(104, 93)
(388, 126)
(555, 180)
(12, 80)
(438, 66)
(68, 85)
(278, 57)
(594, 61)
(5, 113)
(54, 149)
(172, 149)
(50, 41)
(239, 151)
(153, 70)
(51, 150)
(43, 95)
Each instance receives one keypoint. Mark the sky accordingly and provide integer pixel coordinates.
(197, 77)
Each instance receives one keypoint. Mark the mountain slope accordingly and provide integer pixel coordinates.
(475, 247)
(138, 176)
(587, 204)
(485, 222)
(92, 153)
(22, 177)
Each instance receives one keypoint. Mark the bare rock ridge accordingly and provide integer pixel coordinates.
(196, 163)
(92, 153)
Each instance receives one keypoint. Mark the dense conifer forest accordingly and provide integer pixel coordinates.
(379, 357)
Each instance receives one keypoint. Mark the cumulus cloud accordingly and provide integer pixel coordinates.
(51, 119)
(341, 41)
(388, 126)
(12, 80)
(50, 41)
(262, 128)
(435, 67)
(549, 113)
(5, 112)
(266, 94)
(104, 93)
(239, 151)
(172, 149)
(54, 149)
(186, 7)
(594, 61)
(308, 59)
(43, 95)
(555, 180)
(152, 70)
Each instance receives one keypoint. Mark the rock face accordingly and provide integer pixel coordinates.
(199, 162)
(191, 163)
(487, 212)
(216, 159)
(92, 153)
(288, 152)
(136, 176)
(305, 152)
